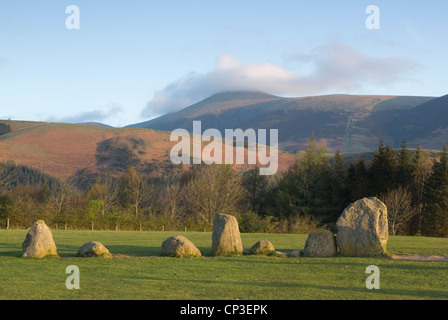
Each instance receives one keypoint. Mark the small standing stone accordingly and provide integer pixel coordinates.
(320, 244)
(179, 246)
(262, 247)
(226, 236)
(93, 249)
(39, 241)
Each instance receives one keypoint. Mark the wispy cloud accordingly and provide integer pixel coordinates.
(338, 67)
(90, 116)
(334, 68)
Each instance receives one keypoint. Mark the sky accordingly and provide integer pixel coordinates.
(131, 61)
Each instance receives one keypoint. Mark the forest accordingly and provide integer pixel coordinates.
(309, 196)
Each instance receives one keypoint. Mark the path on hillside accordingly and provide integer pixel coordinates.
(33, 126)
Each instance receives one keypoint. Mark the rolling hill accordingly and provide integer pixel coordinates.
(63, 150)
(348, 123)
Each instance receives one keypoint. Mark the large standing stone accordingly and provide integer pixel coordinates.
(320, 244)
(180, 247)
(93, 249)
(362, 229)
(226, 236)
(39, 241)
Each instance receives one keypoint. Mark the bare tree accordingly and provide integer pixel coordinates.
(62, 200)
(174, 194)
(216, 189)
(135, 190)
(399, 208)
(59, 197)
(106, 191)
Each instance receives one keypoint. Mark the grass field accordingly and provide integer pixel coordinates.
(137, 271)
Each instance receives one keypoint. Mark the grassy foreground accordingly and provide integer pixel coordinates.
(137, 271)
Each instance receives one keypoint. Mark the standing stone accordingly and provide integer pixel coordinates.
(180, 247)
(262, 247)
(362, 229)
(320, 244)
(93, 249)
(226, 236)
(39, 241)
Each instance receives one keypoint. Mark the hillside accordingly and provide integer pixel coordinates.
(352, 124)
(348, 123)
(425, 124)
(217, 104)
(62, 150)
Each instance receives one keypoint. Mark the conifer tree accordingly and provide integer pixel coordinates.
(359, 181)
(305, 189)
(257, 187)
(338, 182)
(436, 199)
(404, 167)
(421, 169)
(383, 168)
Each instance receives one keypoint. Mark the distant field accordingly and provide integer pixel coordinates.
(138, 272)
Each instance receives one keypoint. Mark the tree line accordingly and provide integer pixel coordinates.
(412, 183)
(310, 195)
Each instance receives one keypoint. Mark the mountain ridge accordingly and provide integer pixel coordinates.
(346, 123)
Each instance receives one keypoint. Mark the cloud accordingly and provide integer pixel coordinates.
(90, 116)
(334, 68)
(339, 67)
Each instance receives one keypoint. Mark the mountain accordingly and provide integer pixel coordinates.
(217, 104)
(348, 123)
(426, 124)
(64, 150)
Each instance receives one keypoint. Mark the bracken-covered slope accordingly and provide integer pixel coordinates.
(62, 150)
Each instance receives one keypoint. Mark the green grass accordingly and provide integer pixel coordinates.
(137, 271)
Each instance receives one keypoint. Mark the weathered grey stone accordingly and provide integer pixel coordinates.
(39, 241)
(93, 249)
(320, 244)
(362, 229)
(278, 254)
(179, 246)
(226, 236)
(262, 247)
(295, 254)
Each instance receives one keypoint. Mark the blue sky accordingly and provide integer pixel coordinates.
(133, 60)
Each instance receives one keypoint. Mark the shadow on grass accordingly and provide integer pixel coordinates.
(142, 251)
(361, 293)
(133, 251)
(64, 251)
(10, 250)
